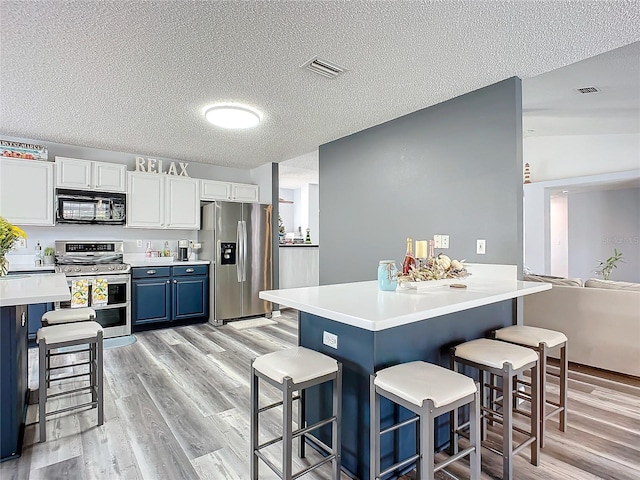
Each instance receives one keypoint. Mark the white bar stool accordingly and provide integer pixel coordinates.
(428, 391)
(68, 315)
(59, 317)
(541, 340)
(506, 361)
(293, 370)
(65, 335)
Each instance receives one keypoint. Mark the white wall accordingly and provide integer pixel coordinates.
(559, 250)
(552, 158)
(537, 223)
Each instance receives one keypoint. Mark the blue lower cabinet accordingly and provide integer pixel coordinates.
(168, 294)
(13, 380)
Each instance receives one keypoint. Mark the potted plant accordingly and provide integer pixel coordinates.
(605, 268)
(48, 257)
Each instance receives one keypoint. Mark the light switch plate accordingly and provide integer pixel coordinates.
(330, 339)
(481, 247)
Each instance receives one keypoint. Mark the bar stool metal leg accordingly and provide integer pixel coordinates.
(100, 377)
(336, 437)
(254, 423)
(564, 386)
(287, 418)
(42, 390)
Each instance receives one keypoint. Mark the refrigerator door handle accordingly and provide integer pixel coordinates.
(239, 259)
(244, 251)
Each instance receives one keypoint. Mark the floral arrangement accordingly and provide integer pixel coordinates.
(437, 268)
(8, 235)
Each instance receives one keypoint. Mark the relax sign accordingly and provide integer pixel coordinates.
(151, 165)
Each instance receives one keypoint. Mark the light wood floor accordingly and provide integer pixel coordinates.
(177, 403)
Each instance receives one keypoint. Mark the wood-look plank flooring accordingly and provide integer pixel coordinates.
(177, 407)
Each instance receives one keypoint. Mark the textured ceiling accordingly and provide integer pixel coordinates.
(136, 76)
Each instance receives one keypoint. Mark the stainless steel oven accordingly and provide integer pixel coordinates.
(97, 278)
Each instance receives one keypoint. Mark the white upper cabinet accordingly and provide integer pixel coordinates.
(214, 190)
(235, 192)
(162, 201)
(145, 200)
(244, 193)
(26, 192)
(182, 200)
(80, 174)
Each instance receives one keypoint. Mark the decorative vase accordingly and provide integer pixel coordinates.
(48, 259)
(4, 265)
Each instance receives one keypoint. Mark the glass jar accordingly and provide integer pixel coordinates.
(387, 275)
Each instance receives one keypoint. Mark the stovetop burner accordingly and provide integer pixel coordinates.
(80, 257)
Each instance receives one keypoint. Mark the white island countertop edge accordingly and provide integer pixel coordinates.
(37, 288)
(362, 305)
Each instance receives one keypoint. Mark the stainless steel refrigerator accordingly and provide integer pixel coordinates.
(236, 238)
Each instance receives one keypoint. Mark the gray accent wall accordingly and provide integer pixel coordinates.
(599, 222)
(454, 168)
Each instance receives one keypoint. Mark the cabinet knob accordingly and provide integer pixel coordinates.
(151, 272)
(168, 281)
(189, 270)
(175, 281)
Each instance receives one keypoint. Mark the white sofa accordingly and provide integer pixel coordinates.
(602, 324)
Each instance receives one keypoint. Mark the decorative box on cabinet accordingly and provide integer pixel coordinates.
(235, 192)
(162, 201)
(81, 174)
(166, 294)
(26, 192)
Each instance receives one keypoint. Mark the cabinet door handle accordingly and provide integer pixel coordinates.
(151, 272)
(175, 281)
(168, 281)
(189, 270)
(23, 318)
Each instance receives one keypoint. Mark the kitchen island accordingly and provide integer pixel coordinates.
(373, 329)
(16, 292)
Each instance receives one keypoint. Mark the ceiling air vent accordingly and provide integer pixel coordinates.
(588, 90)
(324, 68)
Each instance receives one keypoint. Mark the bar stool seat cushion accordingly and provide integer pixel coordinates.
(68, 332)
(301, 364)
(532, 336)
(495, 354)
(69, 315)
(416, 382)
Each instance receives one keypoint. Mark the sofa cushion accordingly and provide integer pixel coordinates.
(611, 284)
(567, 282)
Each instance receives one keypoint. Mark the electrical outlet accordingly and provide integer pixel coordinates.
(481, 247)
(21, 243)
(437, 241)
(139, 243)
(330, 340)
(445, 241)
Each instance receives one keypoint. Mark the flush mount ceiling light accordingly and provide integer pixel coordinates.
(232, 116)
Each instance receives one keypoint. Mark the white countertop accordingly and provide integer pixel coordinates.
(163, 261)
(37, 288)
(362, 305)
(30, 267)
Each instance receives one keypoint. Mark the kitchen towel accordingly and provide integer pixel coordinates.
(99, 292)
(79, 293)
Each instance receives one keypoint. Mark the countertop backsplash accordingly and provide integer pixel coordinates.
(47, 236)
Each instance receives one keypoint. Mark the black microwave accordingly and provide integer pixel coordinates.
(78, 206)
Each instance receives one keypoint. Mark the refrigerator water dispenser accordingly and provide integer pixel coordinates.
(227, 253)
